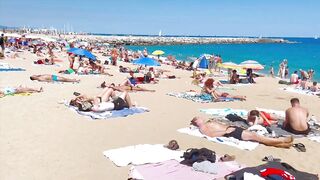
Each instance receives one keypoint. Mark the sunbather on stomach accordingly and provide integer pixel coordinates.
(262, 118)
(216, 129)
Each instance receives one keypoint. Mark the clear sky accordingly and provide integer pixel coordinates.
(174, 17)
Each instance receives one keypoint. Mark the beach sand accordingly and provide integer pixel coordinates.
(42, 139)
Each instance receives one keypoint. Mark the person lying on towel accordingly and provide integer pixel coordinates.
(212, 128)
(262, 118)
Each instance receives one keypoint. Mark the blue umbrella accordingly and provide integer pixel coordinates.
(82, 52)
(146, 61)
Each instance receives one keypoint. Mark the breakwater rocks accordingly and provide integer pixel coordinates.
(132, 40)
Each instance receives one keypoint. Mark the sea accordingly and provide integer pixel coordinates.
(303, 54)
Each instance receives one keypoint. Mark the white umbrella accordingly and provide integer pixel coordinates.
(251, 64)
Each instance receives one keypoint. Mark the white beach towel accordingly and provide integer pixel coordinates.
(244, 145)
(315, 138)
(299, 91)
(225, 111)
(142, 154)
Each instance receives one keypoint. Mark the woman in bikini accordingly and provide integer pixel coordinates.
(262, 118)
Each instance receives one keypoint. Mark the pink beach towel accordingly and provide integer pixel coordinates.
(173, 170)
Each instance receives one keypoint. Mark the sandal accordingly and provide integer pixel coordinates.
(271, 159)
(299, 147)
(227, 157)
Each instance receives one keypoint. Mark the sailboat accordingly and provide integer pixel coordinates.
(160, 33)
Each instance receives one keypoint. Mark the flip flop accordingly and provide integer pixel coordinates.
(271, 159)
(299, 147)
(227, 157)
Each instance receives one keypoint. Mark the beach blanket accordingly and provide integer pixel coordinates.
(300, 91)
(315, 138)
(6, 67)
(244, 145)
(11, 69)
(110, 114)
(173, 170)
(224, 112)
(238, 84)
(142, 154)
(197, 98)
(19, 94)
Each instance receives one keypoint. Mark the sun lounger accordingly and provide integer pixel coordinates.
(110, 114)
(244, 145)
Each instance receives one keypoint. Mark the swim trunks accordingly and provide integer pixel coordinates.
(119, 104)
(54, 78)
(290, 129)
(9, 90)
(237, 133)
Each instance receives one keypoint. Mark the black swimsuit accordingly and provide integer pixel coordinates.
(237, 133)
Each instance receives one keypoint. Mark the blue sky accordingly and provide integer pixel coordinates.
(180, 17)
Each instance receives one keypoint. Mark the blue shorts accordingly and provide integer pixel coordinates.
(54, 78)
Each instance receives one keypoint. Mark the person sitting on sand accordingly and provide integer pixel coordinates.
(294, 78)
(45, 61)
(314, 87)
(296, 120)
(18, 90)
(213, 128)
(209, 92)
(52, 78)
(234, 79)
(126, 86)
(262, 118)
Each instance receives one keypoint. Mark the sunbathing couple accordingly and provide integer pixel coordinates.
(52, 78)
(105, 101)
(126, 85)
(18, 90)
(209, 92)
(295, 122)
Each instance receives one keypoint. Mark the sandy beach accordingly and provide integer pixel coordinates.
(40, 138)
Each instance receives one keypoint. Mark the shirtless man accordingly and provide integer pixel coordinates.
(17, 90)
(296, 118)
(52, 78)
(215, 129)
(126, 86)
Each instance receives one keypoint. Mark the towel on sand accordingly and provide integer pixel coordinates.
(172, 170)
(110, 114)
(315, 138)
(19, 94)
(244, 145)
(224, 112)
(196, 97)
(6, 67)
(300, 91)
(142, 154)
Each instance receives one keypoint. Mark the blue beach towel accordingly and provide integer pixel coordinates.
(11, 69)
(199, 98)
(110, 114)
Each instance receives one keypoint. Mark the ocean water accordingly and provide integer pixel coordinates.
(305, 54)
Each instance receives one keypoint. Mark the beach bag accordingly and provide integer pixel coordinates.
(193, 155)
(85, 106)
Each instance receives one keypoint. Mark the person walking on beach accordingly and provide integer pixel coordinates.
(2, 44)
(114, 56)
(296, 120)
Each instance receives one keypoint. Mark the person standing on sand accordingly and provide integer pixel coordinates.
(114, 56)
(296, 120)
(2, 44)
(294, 78)
(272, 72)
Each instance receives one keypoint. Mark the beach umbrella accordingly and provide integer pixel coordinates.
(251, 64)
(203, 62)
(146, 61)
(157, 52)
(82, 52)
(229, 65)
